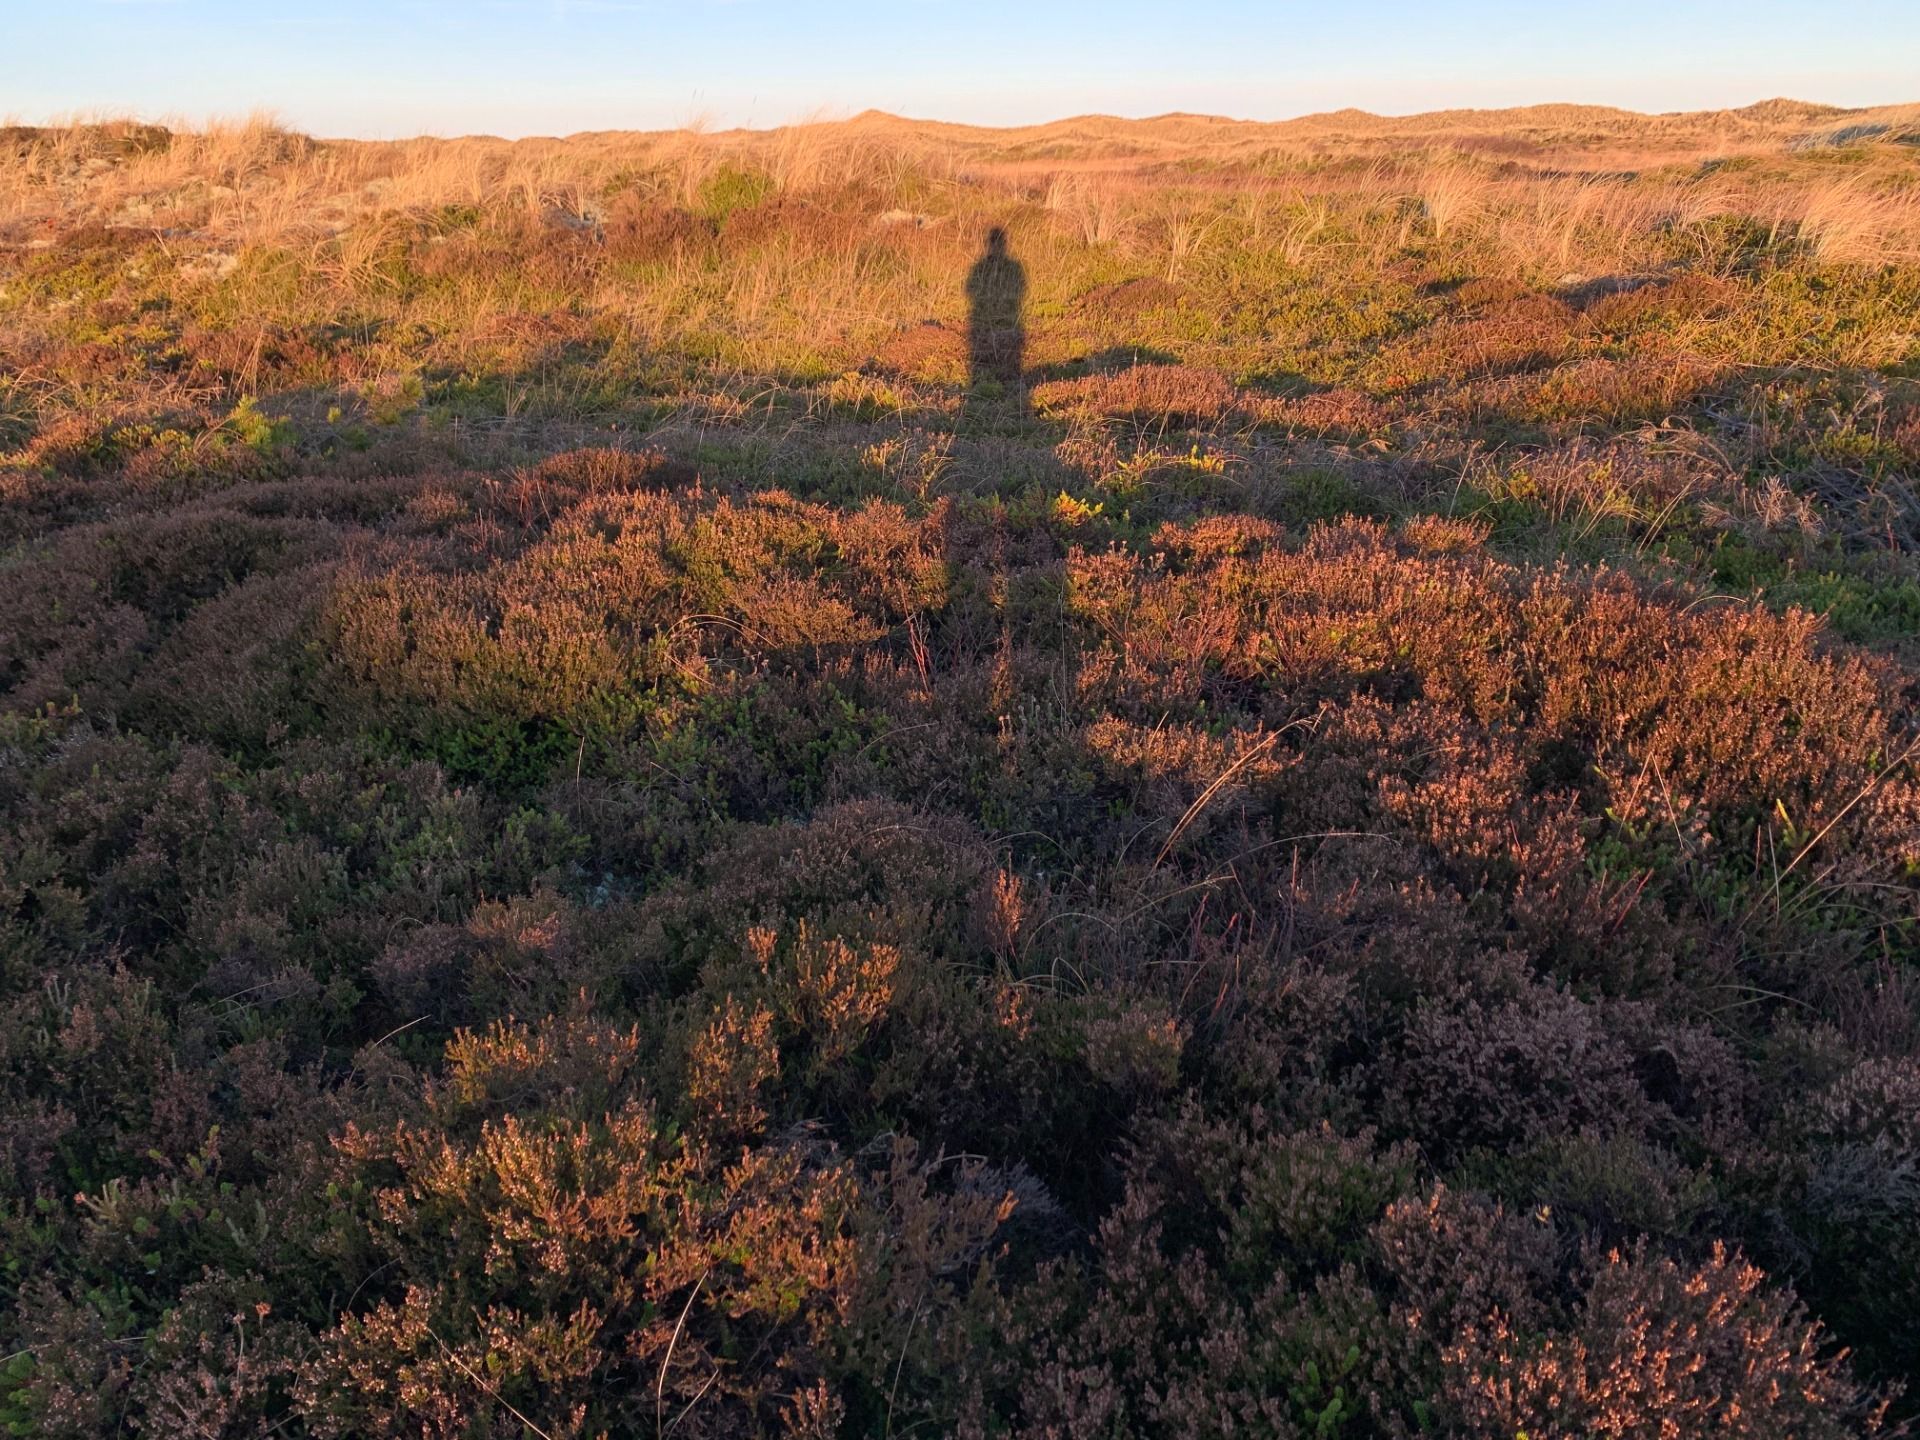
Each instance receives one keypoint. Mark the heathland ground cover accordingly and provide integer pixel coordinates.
(649, 785)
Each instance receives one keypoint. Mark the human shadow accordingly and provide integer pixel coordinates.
(996, 318)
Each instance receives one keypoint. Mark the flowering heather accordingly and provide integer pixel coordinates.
(617, 819)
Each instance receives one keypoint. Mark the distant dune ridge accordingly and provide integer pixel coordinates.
(1778, 121)
(251, 180)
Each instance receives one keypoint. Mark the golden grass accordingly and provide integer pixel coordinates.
(1549, 181)
(1852, 221)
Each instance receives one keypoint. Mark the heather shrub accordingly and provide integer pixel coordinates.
(616, 611)
(556, 1266)
(1654, 1347)
(1186, 1322)
(1508, 1074)
(1457, 1258)
(532, 955)
(871, 869)
(1855, 1210)
(220, 1363)
(1172, 396)
(235, 673)
(1531, 332)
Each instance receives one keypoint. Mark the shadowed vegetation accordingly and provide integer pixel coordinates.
(629, 808)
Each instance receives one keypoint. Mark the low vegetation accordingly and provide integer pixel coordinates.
(601, 835)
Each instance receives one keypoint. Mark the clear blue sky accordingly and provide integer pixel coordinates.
(518, 67)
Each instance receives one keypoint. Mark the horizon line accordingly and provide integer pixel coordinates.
(825, 116)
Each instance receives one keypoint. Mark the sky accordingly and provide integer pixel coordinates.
(385, 68)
